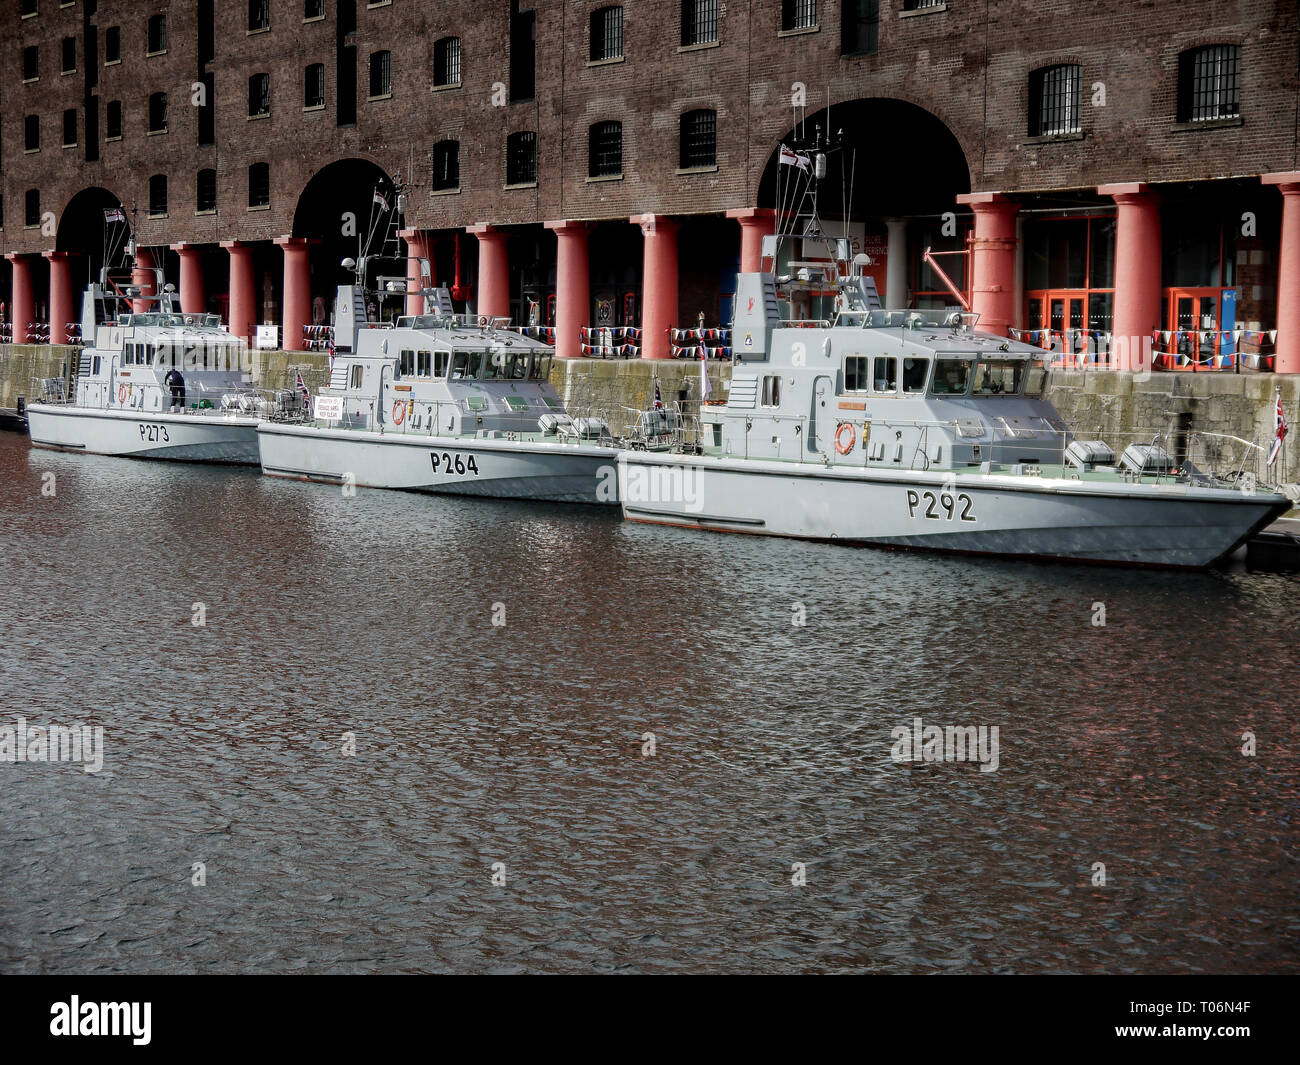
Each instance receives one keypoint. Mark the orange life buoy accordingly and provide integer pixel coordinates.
(841, 445)
(121, 393)
(399, 412)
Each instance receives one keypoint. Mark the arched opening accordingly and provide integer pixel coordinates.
(85, 230)
(340, 210)
(892, 189)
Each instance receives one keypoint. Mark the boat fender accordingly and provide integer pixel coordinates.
(845, 438)
(399, 412)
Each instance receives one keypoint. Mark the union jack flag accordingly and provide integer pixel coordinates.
(302, 387)
(659, 399)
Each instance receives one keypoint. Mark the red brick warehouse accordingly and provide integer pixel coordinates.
(1123, 166)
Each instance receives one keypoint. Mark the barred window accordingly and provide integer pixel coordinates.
(158, 112)
(259, 95)
(157, 34)
(798, 14)
(259, 14)
(1054, 100)
(1209, 83)
(606, 33)
(918, 5)
(32, 133)
(859, 27)
(205, 198)
(32, 214)
(313, 91)
(158, 194)
(381, 73)
(521, 158)
(699, 139)
(313, 9)
(605, 150)
(699, 22)
(259, 185)
(113, 119)
(446, 165)
(446, 61)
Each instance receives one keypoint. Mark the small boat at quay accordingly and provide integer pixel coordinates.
(441, 402)
(912, 429)
(152, 382)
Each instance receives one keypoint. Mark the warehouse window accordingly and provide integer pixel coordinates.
(521, 158)
(1209, 83)
(31, 62)
(69, 55)
(158, 112)
(920, 5)
(313, 94)
(32, 215)
(699, 22)
(113, 45)
(158, 195)
(606, 34)
(1054, 100)
(523, 53)
(30, 7)
(859, 26)
(259, 15)
(699, 140)
(259, 185)
(157, 34)
(32, 133)
(798, 14)
(446, 61)
(259, 95)
(205, 197)
(313, 9)
(605, 150)
(381, 74)
(446, 166)
(70, 128)
(113, 120)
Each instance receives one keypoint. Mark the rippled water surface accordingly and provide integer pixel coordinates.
(523, 744)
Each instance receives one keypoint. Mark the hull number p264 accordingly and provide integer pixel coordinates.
(453, 462)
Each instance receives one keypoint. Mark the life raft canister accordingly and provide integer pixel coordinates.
(399, 412)
(845, 437)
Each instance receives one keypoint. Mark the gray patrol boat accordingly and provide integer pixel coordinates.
(912, 429)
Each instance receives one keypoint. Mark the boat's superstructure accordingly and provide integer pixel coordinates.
(152, 382)
(442, 402)
(910, 428)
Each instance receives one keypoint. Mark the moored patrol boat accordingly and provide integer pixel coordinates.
(154, 383)
(911, 429)
(441, 402)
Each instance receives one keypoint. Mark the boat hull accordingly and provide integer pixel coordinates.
(1133, 524)
(500, 468)
(146, 435)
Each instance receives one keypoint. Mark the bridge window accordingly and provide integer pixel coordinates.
(406, 363)
(422, 364)
(951, 376)
(440, 361)
(885, 375)
(999, 377)
(915, 372)
(855, 373)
